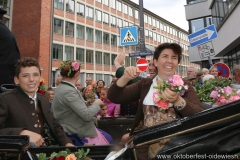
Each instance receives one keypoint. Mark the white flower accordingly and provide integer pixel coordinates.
(180, 87)
(218, 95)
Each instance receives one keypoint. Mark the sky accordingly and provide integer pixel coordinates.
(171, 10)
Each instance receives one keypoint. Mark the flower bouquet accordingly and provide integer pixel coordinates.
(225, 95)
(208, 86)
(42, 88)
(66, 155)
(174, 83)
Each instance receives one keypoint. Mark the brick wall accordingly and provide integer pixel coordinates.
(31, 26)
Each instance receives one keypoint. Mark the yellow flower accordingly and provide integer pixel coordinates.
(71, 157)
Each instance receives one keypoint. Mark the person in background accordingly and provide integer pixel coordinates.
(103, 111)
(236, 72)
(113, 109)
(205, 71)
(79, 86)
(25, 112)
(58, 80)
(100, 86)
(214, 71)
(114, 78)
(9, 52)
(50, 94)
(88, 82)
(167, 56)
(70, 109)
(190, 79)
(199, 78)
(191, 71)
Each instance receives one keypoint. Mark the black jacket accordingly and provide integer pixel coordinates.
(9, 55)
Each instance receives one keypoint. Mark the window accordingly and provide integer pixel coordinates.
(197, 25)
(113, 40)
(136, 14)
(106, 58)
(127, 61)
(130, 24)
(5, 21)
(146, 33)
(58, 26)
(113, 21)
(113, 58)
(57, 52)
(80, 54)
(100, 1)
(69, 53)
(150, 35)
(80, 31)
(208, 21)
(107, 79)
(119, 6)
(167, 29)
(98, 16)
(58, 4)
(170, 30)
(89, 56)
(98, 57)
(154, 36)
(125, 24)
(105, 2)
(69, 31)
(145, 18)
(130, 10)
(154, 22)
(89, 12)
(105, 38)
(119, 22)
(133, 61)
(113, 3)
(149, 20)
(162, 39)
(158, 38)
(70, 6)
(161, 26)
(89, 32)
(98, 76)
(105, 18)
(98, 35)
(157, 24)
(125, 9)
(80, 9)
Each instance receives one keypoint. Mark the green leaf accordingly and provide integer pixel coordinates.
(42, 156)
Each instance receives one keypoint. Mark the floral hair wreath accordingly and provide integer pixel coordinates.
(75, 65)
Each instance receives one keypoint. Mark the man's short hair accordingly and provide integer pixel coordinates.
(26, 62)
(195, 69)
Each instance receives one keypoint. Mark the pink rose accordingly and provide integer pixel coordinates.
(177, 81)
(156, 97)
(75, 65)
(234, 98)
(186, 87)
(228, 90)
(214, 94)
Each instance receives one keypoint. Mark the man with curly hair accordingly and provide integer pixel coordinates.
(25, 112)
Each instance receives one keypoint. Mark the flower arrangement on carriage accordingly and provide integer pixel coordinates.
(66, 155)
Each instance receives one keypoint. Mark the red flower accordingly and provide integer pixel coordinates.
(163, 104)
(60, 158)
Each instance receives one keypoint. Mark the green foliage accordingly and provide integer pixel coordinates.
(80, 155)
(208, 86)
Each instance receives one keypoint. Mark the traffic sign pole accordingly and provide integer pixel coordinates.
(142, 35)
(210, 60)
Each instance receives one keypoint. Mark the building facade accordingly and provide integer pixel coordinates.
(224, 15)
(87, 30)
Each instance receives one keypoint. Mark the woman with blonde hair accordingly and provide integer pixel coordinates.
(205, 71)
(214, 71)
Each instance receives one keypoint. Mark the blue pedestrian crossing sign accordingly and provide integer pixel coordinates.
(129, 36)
